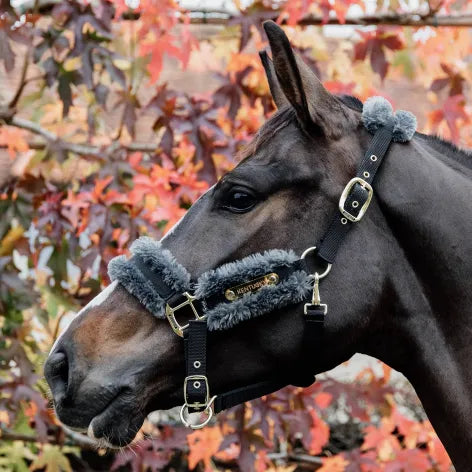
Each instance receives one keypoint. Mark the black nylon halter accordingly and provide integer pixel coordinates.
(353, 204)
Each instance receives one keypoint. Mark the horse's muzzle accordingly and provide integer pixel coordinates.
(90, 402)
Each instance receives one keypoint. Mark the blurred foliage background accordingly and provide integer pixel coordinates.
(114, 118)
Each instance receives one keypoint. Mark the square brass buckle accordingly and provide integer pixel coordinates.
(345, 195)
(195, 379)
(170, 313)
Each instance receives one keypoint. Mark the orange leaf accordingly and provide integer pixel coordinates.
(31, 410)
(334, 464)
(323, 399)
(409, 459)
(375, 437)
(319, 433)
(100, 186)
(203, 445)
(387, 372)
(439, 455)
(14, 139)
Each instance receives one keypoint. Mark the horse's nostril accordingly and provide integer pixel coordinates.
(56, 371)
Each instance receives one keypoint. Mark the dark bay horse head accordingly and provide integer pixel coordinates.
(116, 362)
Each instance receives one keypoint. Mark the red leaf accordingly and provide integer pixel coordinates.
(393, 42)
(409, 460)
(323, 399)
(377, 59)
(439, 84)
(319, 433)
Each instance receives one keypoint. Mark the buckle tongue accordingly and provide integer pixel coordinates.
(170, 313)
(347, 192)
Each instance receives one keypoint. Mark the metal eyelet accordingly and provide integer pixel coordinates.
(197, 364)
(373, 158)
(355, 204)
(197, 384)
(344, 221)
(366, 174)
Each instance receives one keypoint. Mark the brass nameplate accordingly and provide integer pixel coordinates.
(252, 286)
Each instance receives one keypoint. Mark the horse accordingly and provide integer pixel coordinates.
(400, 290)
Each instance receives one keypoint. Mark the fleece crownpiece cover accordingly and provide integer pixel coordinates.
(378, 112)
(295, 286)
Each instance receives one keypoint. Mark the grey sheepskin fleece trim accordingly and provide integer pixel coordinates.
(294, 289)
(163, 262)
(119, 268)
(255, 265)
(158, 260)
(378, 112)
(225, 315)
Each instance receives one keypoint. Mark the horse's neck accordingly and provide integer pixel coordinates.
(427, 204)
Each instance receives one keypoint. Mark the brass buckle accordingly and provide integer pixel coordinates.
(170, 313)
(345, 195)
(197, 378)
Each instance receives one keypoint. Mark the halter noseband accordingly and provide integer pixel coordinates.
(257, 284)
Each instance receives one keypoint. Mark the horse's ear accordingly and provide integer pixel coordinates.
(313, 104)
(275, 90)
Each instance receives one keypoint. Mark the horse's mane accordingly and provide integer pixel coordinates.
(286, 116)
(448, 149)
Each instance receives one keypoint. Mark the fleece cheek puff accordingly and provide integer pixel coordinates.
(378, 112)
(159, 261)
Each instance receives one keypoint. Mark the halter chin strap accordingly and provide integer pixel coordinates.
(255, 285)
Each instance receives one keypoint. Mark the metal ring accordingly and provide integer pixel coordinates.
(184, 415)
(328, 267)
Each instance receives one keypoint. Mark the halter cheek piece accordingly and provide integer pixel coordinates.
(257, 284)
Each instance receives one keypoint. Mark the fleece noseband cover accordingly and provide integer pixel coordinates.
(292, 283)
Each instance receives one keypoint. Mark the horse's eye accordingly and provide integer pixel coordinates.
(239, 201)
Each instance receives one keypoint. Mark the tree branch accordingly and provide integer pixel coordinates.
(76, 439)
(23, 81)
(222, 17)
(76, 148)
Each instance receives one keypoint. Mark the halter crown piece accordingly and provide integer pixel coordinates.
(257, 284)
